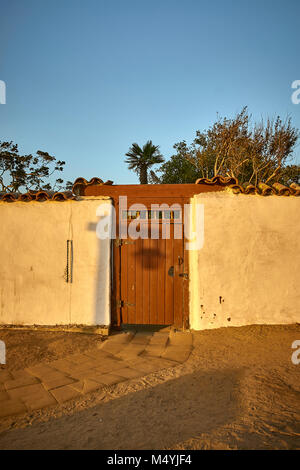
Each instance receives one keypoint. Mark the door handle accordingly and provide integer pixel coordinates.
(180, 261)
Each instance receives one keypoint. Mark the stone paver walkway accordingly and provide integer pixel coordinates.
(121, 357)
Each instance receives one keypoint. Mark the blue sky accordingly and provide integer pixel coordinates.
(85, 79)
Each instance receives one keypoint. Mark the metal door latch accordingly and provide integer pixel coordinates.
(184, 275)
(121, 242)
(122, 303)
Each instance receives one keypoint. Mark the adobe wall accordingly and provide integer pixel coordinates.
(33, 258)
(248, 269)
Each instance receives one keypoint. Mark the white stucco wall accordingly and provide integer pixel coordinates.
(248, 269)
(33, 256)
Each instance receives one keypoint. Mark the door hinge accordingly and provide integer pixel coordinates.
(122, 303)
(121, 242)
(186, 324)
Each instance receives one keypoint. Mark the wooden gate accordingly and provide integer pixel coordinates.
(144, 290)
(153, 271)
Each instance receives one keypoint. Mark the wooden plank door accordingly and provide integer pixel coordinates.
(151, 281)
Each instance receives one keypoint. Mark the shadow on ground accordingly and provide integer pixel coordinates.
(154, 418)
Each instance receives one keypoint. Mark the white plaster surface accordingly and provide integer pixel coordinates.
(33, 257)
(248, 269)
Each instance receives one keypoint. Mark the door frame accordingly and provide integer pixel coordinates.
(116, 309)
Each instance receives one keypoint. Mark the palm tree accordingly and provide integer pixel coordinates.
(141, 159)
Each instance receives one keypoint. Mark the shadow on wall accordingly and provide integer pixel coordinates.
(154, 418)
(149, 257)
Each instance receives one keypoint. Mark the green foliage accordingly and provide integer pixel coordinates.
(25, 172)
(259, 152)
(290, 174)
(177, 170)
(141, 160)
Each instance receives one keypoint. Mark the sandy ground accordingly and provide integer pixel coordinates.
(27, 348)
(238, 390)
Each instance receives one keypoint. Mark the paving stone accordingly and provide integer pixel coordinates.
(93, 361)
(154, 350)
(62, 366)
(5, 375)
(82, 374)
(123, 356)
(77, 358)
(180, 338)
(131, 351)
(113, 348)
(75, 369)
(41, 370)
(177, 354)
(86, 386)
(109, 379)
(141, 338)
(20, 375)
(11, 407)
(105, 368)
(163, 363)
(51, 383)
(90, 364)
(93, 375)
(25, 392)
(4, 396)
(81, 359)
(55, 375)
(97, 376)
(129, 373)
(39, 399)
(65, 393)
(98, 355)
(110, 364)
(159, 340)
(50, 374)
(119, 338)
(34, 396)
(25, 379)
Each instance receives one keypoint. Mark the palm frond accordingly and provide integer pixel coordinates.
(141, 159)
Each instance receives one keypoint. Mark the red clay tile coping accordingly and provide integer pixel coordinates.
(262, 189)
(37, 196)
(80, 184)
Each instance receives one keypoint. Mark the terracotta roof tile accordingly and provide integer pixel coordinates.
(296, 189)
(80, 184)
(40, 196)
(265, 189)
(37, 196)
(282, 190)
(249, 188)
(226, 181)
(221, 180)
(9, 197)
(262, 188)
(236, 188)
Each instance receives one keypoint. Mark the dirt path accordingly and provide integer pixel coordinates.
(238, 390)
